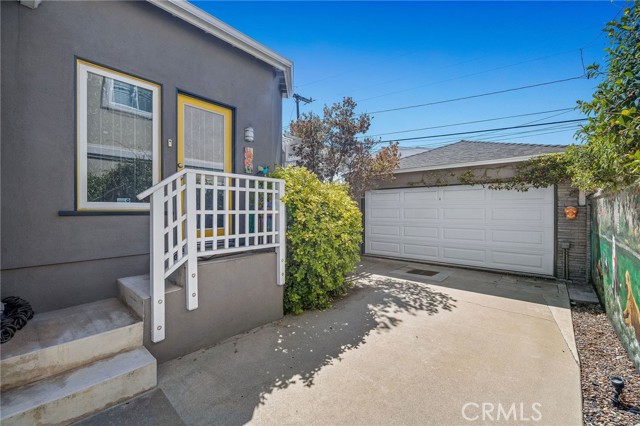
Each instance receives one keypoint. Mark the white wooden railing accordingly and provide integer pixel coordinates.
(198, 214)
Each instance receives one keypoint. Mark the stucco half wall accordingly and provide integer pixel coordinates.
(574, 231)
(235, 294)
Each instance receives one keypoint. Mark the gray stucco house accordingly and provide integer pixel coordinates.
(133, 136)
(426, 214)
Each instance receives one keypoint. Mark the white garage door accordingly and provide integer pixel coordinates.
(464, 225)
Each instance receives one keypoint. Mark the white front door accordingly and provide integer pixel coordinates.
(464, 225)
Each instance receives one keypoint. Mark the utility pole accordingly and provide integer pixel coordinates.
(299, 98)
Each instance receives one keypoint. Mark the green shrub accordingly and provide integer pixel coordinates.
(324, 228)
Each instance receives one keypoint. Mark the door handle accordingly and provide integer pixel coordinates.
(180, 165)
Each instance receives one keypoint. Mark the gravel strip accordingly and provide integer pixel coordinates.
(602, 355)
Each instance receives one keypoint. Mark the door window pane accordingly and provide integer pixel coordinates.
(203, 139)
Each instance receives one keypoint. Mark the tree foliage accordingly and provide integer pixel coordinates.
(609, 157)
(539, 172)
(324, 233)
(332, 149)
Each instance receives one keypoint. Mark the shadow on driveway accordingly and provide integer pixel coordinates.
(226, 383)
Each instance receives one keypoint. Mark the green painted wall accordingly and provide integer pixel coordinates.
(615, 249)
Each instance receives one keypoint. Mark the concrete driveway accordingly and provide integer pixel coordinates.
(474, 348)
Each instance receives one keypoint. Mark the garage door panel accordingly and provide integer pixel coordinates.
(464, 256)
(464, 234)
(464, 214)
(428, 252)
(463, 194)
(417, 197)
(530, 260)
(388, 248)
(384, 230)
(420, 213)
(515, 214)
(519, 237)
(420, 232)
(471, 226)
(384, 213)
(381, 196)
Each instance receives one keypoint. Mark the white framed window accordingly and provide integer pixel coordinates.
(118, 152)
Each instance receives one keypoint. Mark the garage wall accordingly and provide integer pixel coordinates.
(573, 231)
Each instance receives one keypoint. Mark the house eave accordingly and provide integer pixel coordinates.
(211, 25)
(469, 164)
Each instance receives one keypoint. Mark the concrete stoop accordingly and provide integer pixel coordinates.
(70, 363)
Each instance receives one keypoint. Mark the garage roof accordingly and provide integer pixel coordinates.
(473, 153)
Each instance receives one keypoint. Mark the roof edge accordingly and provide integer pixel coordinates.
(212, 25)
(472, 163)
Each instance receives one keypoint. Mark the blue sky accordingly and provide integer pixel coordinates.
(389, 55)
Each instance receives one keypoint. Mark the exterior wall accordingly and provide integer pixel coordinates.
(572, 231)
(615, 264)
(39, 50)
(235, 294)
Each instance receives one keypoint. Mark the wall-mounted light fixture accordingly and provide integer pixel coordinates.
(248, 134)
(582, 198)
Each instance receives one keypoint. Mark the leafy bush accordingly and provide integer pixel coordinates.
(324, 228)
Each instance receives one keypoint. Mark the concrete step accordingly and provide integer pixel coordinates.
(58, 341)
(136, 291)
(80, 392)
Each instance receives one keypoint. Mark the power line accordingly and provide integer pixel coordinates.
(529, 134)
(470, 122)
(477, 96)
(535, 121)
(440, 144)
(535, 132)
(467, 75)
(483, 131)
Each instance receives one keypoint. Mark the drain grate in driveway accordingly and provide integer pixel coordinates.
(424, 272)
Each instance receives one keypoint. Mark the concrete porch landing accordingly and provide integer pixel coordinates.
(397, 350)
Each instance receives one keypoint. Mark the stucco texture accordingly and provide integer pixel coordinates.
(39, 52)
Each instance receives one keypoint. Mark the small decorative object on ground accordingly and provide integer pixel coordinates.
(16, 312)
(602, 357)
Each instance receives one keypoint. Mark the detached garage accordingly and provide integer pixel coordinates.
(464, 225)
(426, 215)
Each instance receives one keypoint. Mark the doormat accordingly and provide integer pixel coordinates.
(413, 273)
(424, 272)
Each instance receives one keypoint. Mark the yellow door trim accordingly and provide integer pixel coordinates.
(227, 113)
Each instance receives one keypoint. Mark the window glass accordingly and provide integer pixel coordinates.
(204, 139)
(118, 141)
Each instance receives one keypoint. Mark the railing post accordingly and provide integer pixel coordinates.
(281, 250)
(191, 290)
(156, 275)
